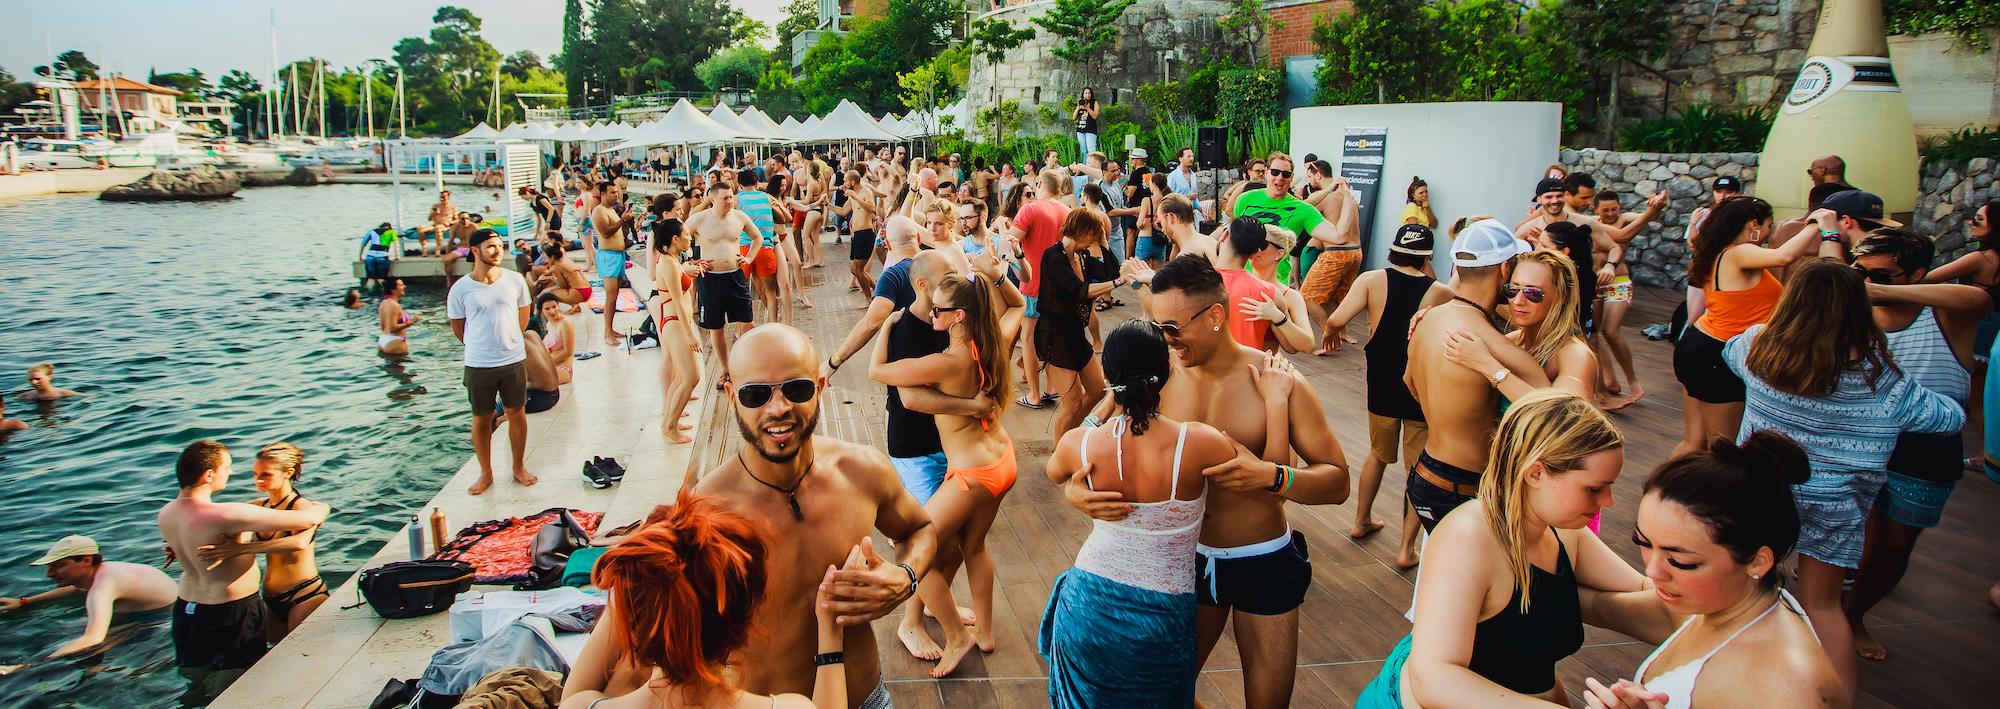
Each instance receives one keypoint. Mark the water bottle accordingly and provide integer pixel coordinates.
(416, 535)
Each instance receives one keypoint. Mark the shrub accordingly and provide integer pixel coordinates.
(1162, 99)
(1248, 96)
(1171, 135)
(1202, 89)
(1112, 140)
(1270, 135)
(1700, 128)
(1108, 113)
(1964, 144)
(1964, 19)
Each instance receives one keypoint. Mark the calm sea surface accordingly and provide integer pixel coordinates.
(214, 320)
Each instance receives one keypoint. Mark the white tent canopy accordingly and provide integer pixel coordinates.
(764, 125)
(479, 132)
(728, 118)
(682, 125)
(809, 123)
(791, 125)
(846, 122)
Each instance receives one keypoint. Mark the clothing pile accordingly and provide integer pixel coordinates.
(503, 550)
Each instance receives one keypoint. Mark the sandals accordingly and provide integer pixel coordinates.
(1045, 401)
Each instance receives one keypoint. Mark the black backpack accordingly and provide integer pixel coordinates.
(407, 589)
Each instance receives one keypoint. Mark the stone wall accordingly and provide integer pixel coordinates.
(1032, 74)
(1947, 195)
(1730, 53)
(1658, 255)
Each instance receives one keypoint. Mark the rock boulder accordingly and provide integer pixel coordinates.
(200, 183)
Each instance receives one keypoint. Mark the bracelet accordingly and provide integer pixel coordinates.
(1092, 421)
(1282, 323)
(1829, 235)
(829, 658)
(830, 364)
(1277, 481)
(913, 581)
(1290, 475)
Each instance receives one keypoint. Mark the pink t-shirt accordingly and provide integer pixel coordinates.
(1041, 223)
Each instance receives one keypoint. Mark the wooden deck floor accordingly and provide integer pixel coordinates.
(1942, 636)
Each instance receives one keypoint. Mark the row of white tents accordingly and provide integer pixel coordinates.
(685, 125)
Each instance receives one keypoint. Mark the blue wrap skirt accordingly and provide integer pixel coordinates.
(1113, 645)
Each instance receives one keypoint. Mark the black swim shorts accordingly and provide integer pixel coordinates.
(223, 636)
(1272, 583)
(723, 298)
(1699, 366)
(862, 246)
(1433, 500)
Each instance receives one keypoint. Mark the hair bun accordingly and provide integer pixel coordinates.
(1770, 452)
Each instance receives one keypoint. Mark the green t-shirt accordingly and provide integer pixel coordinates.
(1287, 211)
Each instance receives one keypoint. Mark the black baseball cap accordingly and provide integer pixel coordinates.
(1413, 239)
(1862, 206)
(480, 237)
(1547, 185)
(1729, 183)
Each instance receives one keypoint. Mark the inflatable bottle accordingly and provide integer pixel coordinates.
(1846, 103)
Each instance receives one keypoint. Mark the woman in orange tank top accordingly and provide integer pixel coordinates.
(1736, 273)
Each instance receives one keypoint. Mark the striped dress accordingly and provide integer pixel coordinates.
(1848, 436)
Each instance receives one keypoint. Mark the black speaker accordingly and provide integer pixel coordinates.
(1211, 146)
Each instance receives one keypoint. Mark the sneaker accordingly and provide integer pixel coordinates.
(598, 479)
(610, 468)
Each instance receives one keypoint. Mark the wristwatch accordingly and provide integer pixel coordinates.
(829, 658)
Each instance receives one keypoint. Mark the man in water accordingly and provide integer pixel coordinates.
(443, 215)
(218, 615)
(1253, 567)
(7, 425)
(111, 589)
(488, 311)
(452, 245)
(723, 291)
(377, 246)
(820, 498)
(611, 244)
(1462, 406)
(42, 384)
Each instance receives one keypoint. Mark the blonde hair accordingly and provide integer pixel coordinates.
(1562, 324)
(1551, 426)
(287, 458)
(1280, 237)
(45, 368)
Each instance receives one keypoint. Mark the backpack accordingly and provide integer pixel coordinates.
(408, 589)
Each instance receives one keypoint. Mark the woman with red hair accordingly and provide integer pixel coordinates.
(682, 590)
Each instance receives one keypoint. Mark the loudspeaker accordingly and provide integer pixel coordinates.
(1211, 146)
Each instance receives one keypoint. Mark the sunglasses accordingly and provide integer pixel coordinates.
(797, 391)
(1535, 295)
(1173, 329)
(1877, 276)
(938, 309)
(1275, 172)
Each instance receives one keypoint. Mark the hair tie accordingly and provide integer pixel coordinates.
(1120, 388)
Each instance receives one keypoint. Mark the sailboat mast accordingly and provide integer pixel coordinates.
(402, 107)
(319, 87)
(292, 70)
(368, 101)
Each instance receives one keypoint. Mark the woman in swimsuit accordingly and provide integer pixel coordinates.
(1497, 605)
(790, 290)
(563, 279)
(1119, 630)
(1713, 527)
(292, 584)
(560, 342)
(394, 321)
(682, 591)
(674, 318)
(978, 452)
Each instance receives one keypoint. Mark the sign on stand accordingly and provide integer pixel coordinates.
(1361, 152)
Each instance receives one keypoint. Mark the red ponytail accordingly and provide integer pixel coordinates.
(683, 587)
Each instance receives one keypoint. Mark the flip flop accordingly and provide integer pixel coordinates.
(1024, 402)
(580, 356)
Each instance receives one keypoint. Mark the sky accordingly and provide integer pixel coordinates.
(133, 36)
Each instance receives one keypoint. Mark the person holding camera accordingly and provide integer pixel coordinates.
(1086, 122)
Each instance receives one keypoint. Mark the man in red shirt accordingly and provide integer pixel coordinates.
(1037, 226)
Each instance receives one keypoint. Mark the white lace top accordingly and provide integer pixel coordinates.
(1152, 549)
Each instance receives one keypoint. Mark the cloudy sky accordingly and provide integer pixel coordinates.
(132, 36)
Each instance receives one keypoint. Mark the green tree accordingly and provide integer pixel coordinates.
(1608, 34)
(993, 37)
(448, 73)
(1247, 24)
(13, 93)
(800, 15)
(572, 48)
(71, 64)
(624, 38)
(191, 83)
(740, 66)
(519, 64)
(1086, 28)
(862, 65)
(775, 93)
(937, 82)
(1377, 52)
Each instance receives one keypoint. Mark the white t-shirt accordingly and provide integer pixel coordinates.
(492, 315)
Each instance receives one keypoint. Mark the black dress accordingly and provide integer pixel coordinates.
(1064, 306)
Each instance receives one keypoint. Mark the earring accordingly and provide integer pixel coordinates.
(1755, 577)
(1217, 328)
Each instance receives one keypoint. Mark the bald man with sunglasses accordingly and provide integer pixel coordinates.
(820, 498)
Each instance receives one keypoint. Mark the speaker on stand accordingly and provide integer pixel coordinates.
(1212, 152)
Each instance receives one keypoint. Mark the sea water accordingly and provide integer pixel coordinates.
(184, 321)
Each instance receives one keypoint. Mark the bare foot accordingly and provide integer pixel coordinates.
(964, 614)
(1614, 403)
(983, 637)
(522, 476)
(1349, 339)
(1405, 560)
(954, 652)
(479, 486)
(613, 339)
(1362, 530)
(674, 433)
(1611, 387)
(1638, 393)
(1866, 645)
(919, 643)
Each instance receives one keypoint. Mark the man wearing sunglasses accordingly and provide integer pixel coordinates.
(821, 499)
(1275, 205)
(1460, 404)
(1252, 568)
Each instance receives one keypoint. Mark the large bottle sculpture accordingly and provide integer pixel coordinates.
(1846, 103)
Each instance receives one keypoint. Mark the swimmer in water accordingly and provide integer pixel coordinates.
(110, 589)
(8, 425)
(42, 379)
(293, 588)
(395, 322)
(351, 300)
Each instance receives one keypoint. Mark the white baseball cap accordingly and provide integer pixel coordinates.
(66, 547)
(1484, 243)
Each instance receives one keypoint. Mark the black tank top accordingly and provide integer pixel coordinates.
(1388, 349)
(1518, 650)
(909, 433)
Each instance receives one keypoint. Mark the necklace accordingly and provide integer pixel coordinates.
(1476, 306)
(791, 493)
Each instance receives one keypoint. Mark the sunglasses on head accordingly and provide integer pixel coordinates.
(1877, 276)
(797, 391)
(1275, 172)
(1535, 295)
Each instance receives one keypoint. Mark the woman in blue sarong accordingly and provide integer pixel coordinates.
(1119, 628)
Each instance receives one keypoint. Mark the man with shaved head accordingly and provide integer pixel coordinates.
(820, 497)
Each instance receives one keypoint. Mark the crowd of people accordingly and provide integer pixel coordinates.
(1828, 371)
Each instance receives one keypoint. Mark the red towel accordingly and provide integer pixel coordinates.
(499, 550)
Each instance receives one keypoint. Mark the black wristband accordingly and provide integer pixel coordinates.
(829, 658)
(830, 364)
(1278, 483)
(1281, 323)
(913, 579)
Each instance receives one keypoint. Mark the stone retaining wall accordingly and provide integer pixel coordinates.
(1658, 255)
(1947, 195)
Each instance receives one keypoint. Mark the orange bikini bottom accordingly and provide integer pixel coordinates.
(997, 477)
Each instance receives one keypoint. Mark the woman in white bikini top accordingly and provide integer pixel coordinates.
(1713, 527)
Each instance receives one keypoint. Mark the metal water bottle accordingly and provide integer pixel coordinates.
(416, 535)
(437, 529)
(1845, 102)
